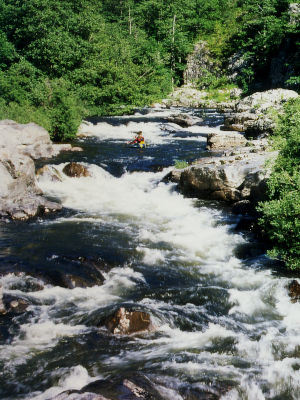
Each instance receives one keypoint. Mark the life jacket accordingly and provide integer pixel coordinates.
(140, 139)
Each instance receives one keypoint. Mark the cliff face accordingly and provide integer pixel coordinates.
(199, 62)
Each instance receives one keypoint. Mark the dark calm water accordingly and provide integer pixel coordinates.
(224, 323)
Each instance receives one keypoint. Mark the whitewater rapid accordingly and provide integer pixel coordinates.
(221, 319)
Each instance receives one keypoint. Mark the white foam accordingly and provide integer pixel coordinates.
(37, 335)
(119, 281)
(155, 210)
(163, 225)
(248, 390)
(151, 256)
(74, 378)
(154, 132)
(174, 340)
(248, 302)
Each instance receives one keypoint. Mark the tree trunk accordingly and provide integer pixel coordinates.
(173, 51)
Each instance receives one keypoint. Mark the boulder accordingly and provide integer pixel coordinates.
(78, 395)
(133, 387)
(20, 145)
(216, 141)
(77, 272)
(243, 207)
(183, 120)
(188, 96)
(20, 197)
(76, 170)
(228, 178)
(173, 176)
(2, 306)
(27, 139)
(125, 322)
(262, 101)
(253, 114)
(294, 290)
(10, 304)
(50, 173)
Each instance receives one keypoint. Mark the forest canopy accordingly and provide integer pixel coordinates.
(68, 59)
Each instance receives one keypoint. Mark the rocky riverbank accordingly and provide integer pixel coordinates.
(20, 146)
(239, 174)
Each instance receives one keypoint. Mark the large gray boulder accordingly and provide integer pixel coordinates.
(20, 145)
(254, 115)
(183, 120)
(228, 178)
(222, 140)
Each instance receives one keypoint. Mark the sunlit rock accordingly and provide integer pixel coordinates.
(254, 114)
(49, 172)
(183, 120)
(225, 140)
(125, 322)
(20, 145)
(294, 291)
(228, 178)
(76, 170)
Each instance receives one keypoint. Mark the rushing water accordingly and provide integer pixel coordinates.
(224, 322)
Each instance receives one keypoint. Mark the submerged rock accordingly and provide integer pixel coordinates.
(10, 304)
(76, 170)
(124, 322)
(77, 272)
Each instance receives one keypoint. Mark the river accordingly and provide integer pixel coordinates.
(225, 326)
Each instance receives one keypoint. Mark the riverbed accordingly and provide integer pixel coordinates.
(224, 324)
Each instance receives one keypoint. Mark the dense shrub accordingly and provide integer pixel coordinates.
(281, 214)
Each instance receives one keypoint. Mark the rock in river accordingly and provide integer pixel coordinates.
(124, 322)
(76, 170)
(225, 140)
(78, 395)
(228, 178)
(20, 145)
(294, 290)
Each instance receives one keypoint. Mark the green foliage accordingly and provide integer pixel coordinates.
(211, 80)
(281, 213)
(293, 83)
(264, 28)
(113, 56)
(180, 164)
